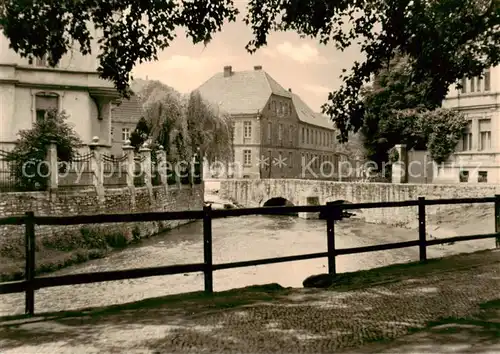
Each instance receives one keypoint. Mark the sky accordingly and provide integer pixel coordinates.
(310, 69)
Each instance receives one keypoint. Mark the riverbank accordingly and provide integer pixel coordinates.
(266, 319)
(57, 253)
(62, 250)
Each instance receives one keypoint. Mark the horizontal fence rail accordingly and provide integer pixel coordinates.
(332, 212)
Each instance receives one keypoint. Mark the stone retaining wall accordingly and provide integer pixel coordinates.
(87, 202)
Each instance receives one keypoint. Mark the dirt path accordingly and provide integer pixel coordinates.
(263, 320)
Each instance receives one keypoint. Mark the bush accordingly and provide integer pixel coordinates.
(32, 148)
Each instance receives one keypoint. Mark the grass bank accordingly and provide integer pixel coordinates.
(397, 272)
(62, 250)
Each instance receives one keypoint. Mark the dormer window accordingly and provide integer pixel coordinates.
(42, 61)
(477, 84)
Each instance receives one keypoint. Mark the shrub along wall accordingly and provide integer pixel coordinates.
(58, 246)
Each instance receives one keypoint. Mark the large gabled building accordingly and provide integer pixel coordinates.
(276, 135)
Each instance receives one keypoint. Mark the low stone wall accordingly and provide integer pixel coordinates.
(87, 202)
(252, 193)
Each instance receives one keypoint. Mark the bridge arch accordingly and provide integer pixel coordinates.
(279, 201)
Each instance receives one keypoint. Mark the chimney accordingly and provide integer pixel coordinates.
(289, 90)
(257, 67)
(228, 71)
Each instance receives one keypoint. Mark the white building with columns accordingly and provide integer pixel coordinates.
(477, 157)
(28, 90)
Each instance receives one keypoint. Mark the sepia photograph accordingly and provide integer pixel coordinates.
(249, 176)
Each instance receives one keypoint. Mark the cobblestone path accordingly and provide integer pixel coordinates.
(289, 321)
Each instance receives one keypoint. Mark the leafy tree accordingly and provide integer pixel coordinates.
(32, 148)
(391, 92)
(210, 130)
(444, 40)
(140, 134)
(397, 111)
(184, 125)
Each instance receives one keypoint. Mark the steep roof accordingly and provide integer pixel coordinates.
(307, 115)
(242, 92)
(129, 110)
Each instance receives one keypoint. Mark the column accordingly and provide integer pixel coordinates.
(400, 167)
(161, 164)
(53, 181)
(97, 167)
(128, 150)
(145, 153)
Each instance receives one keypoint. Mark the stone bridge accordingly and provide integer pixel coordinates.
(273, 192)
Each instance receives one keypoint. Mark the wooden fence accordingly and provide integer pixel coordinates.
(332, 211)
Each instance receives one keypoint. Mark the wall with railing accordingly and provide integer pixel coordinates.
(94, 183)
(96, 169)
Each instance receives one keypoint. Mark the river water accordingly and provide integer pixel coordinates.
(234, 239)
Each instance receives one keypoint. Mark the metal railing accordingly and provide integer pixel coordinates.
(331, 211)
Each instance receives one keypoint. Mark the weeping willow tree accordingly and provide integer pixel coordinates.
(210, 129)
(184, 125)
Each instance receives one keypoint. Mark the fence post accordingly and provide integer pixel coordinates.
(53, 166)
(207, 248)
(161, 165)
(421, 229)
(30, 263)
(145, 153)
(332, 213)
(497, 219)
(97, 167)
(128, 150)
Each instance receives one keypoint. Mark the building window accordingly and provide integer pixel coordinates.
(290, 135)
(467, 138)
(472, 88)
(487, 80)
(290, 159)
(484, 134)
(273, 107)
(269, 131)
(307, 135)
(482, 177)
(247, 157)
(464, 176)
(282, 109)
(464, 85)
(45, 102)
(42, 61)
(247, 129)
(125, 134)
(303, 135)
(280, 133)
